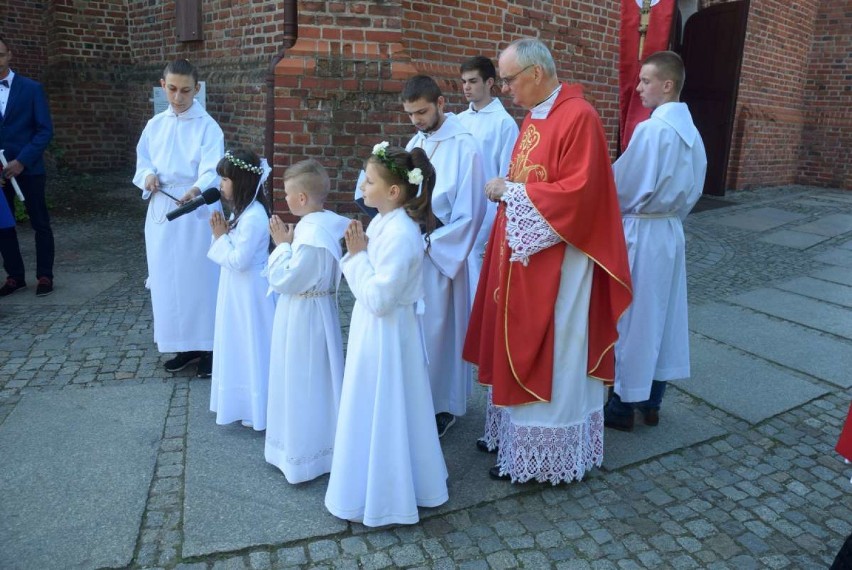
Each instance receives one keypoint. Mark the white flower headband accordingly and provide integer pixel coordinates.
(414, 176)
(240, 163)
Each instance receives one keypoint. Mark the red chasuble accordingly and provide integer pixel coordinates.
(563, 161)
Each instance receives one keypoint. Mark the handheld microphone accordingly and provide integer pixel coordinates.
(209, 196)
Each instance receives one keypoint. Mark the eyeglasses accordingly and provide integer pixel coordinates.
(504, 81)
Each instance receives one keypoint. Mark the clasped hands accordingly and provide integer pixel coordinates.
(280, 232)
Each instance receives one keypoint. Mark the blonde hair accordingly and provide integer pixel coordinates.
(311, 177)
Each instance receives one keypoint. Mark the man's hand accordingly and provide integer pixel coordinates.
(495, 188)
(280, 232)
(356, 241)
(152, 183)
(13, 168)
(218, 224)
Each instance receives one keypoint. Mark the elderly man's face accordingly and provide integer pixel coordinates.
(518, 81)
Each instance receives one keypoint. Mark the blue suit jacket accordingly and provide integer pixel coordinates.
(26, 127)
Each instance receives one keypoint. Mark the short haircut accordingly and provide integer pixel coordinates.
(310, 176)
(181, 67)
(421, 87)
(5, 43)
(669, 65)
(531, 51)
(480, 64)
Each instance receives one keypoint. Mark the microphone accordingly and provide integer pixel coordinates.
(209, 196)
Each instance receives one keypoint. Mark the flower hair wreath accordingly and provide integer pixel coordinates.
(238, 162)
(414, 176)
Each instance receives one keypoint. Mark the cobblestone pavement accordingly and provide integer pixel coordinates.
(770, 495)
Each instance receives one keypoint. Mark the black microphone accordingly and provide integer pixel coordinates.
(209, 196)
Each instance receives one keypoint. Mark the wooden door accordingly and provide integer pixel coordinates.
(712, 52)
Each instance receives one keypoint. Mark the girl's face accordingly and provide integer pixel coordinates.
(180, 90)
(227, 189)
(377, 192)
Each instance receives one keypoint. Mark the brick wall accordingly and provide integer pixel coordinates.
(825, 152)
(792, 121)
(100, 59)
(337, 90)
(25, 28)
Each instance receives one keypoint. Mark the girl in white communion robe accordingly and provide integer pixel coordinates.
(387, 460)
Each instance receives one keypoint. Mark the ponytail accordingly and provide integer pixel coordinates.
(419, 207)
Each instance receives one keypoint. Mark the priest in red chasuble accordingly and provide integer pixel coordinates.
(554, 281)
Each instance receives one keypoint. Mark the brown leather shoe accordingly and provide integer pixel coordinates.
(651, 417)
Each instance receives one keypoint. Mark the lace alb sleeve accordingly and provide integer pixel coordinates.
(526, 231)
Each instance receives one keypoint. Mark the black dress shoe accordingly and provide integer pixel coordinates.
(621, 423)
(494, 473)
(182, 360)
(483, 447)
(205, 365)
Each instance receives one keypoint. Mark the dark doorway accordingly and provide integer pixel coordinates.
(712, 51)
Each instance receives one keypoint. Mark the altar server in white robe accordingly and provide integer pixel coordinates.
(659, 179)
(306, 365)
(175, 160)
(244, 312)
(387, 458)
(458, 203)
(496, 131)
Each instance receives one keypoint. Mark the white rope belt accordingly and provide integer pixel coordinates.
(315, 294)
(645, 216)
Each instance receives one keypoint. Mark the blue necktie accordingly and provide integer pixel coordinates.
(4, 83)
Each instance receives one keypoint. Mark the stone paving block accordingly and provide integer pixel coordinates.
(831, 225)
(721, 374)
(791, 345)
(818, 315)
(72, 289)
(794, 239)
(678, 428)
(759, 219)
(819, 289)
(234, 499)
(837, 256)
(835, 274)
(74, 475)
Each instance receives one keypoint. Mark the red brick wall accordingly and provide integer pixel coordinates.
(825, 152)
(792, 121)
(99, 81)
(25, 28)
(337, 90)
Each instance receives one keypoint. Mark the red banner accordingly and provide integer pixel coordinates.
(659, 26)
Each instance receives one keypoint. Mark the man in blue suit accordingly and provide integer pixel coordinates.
(25, 130)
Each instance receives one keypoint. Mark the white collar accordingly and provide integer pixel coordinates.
(9, 77)
(542, 110)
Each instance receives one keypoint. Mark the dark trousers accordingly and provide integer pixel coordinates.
(619, 408)
(32, 186)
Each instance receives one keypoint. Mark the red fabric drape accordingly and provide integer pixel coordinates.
(844, 444)
(657, 39)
